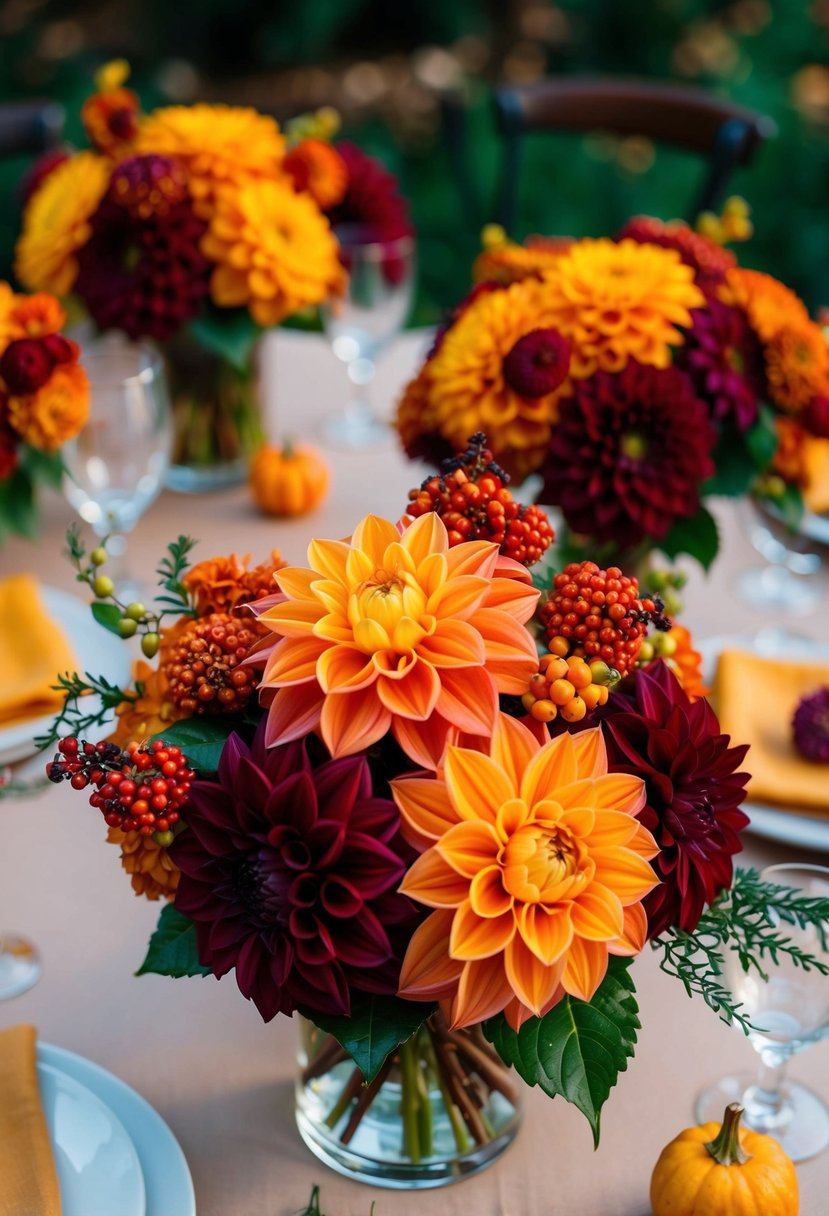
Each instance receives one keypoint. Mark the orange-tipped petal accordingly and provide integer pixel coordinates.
(643, 843)
(431, 573)
(476, 785)
(425, 809)
(513, 746)
(612, 828)
(373, 535)
(469, 847)
(468, 699)
(458, 597)
(293, 713)
(483, 991)
(293, 618)
(635, 933)
(547, 931)
(625, 872)
(551, 768)
(426, 535)
(474, 557)
(342, 667)
(598, 914)
(585, 968)
(620, 792)
(474, 937)
(424, 742)
(518, 599)
(293, 661)
(487, 896)
(414, 696)
(432, 881)
(352, 721)
(328, 558)
(428, 973)
(591, 753)
(532, 981)
(511, 655)
(295, 582)
(453, 644)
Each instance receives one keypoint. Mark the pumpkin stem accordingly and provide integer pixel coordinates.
(288, 449)
(725, 1148)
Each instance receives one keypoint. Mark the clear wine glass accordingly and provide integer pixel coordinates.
(20, 965)
(381, 278)
(788, 583)
(116, 465)
(791, 1011)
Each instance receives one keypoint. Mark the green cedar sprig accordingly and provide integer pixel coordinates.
(74, 718)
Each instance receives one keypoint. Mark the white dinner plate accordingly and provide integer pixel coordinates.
(97, 1166)
(802, 831)
(97, 651)
(167, 1181)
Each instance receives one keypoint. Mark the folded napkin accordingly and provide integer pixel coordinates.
(816, 470)
(33, 651)
(755, 699)
(28, 1180)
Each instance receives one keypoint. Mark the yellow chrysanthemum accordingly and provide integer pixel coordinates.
(56, 412)
(274, 250)
(617, 301)
(536, 867)
(769, 305)
(56, 223)
(216, 144)
(468, 391)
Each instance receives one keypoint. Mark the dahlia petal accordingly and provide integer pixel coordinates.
(342, 668)
(415, 695)
(352, 721)
(546, 931)
(328, 558)
(474, 937)
(634, 934)
(408, 633)
(612, 828)
(532, 981)
(580, 820)
(228, 287)
(453, 644)
(339, 784)
(629, 875)
(597, 913)
(511, 656)
(293, 618)
(363, 942)
(324, 989)
(373, 535)
(591, 753)
(293, 713)
(293, 661)
(296, 582)
(551, 768)
(425, 809)
(432, 573)
(468, 699)
(517, 1014)
(482, 992)
(458, 597)
(371, 637)
(332, 595)
(476, 785)
(473, 557)
(643, 843)
(513, 746)
(428, 973)
(620, 792)
(585, 968)
(513, 815)
(509, 595)
(424, 742)
(487, 896)
(432, 881)
(469, 847)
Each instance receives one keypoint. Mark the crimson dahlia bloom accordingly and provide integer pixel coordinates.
(693, 792)
(290, 874)
(723, 358)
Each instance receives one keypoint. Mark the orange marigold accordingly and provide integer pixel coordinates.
(222, 584)
(687, 662)
(317, 167)
(509, 262)
(56, 412)
(37, 315)
(152, 872)
(797, 365)
(153, 710)
(769, 305)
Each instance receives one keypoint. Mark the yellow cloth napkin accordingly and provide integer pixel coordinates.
(755, 700)
(28, 1179)
(33, 651)
(816, 469)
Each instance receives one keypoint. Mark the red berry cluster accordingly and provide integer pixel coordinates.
(139, 789)
(203, 665)
(595, 613)
(471, 497)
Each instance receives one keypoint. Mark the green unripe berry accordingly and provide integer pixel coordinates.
(98, 556)
(135, 611)
(657, 580)
(149, 644)
(164, 839)
(673, 602)
(646, 652)
(663, 644)
(103, 586)
(127, 627)
(601, 672)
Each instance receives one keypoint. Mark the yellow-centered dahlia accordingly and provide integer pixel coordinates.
(274, 250)
(617, 301)
(396, 631)
(56, 223)
(536, 867)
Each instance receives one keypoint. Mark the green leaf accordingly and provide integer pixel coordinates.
(18, 511)
(42, 466)
(107, 615)
(735, 467)
(790, 506)
(579, 1048)
(228, 333)
(201, 739)
(376, 1026)
(172, 949)
(761, 440)
(697, 537)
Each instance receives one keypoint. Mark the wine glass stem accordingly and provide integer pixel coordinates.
(765, 1102)
(358, 411)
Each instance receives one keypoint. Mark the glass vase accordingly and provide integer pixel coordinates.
(217, 417)
(442, 1107)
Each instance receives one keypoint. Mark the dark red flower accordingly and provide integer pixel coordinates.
(25, 366)
(61, 350)
(815, 417)
(811, 727)
(290, 873)
(710, 261)
(538, 363)
(628, 454)
(693, 792)
(724, 359)
(8, 450)
(142, 269)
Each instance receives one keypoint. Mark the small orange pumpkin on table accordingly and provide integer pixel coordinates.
(288, 480)
(713, 1170)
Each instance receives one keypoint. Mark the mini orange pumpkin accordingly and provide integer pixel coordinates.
(288, 480)
(724, 1171)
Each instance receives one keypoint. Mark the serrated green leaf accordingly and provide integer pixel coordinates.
(698, 537)
(229, 333)
(376, 1026)
(761, 440)
(201, 739)
(172, 949)
(107, 615)
(579, 1048)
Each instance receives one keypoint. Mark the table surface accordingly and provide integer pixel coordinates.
(195, 1048)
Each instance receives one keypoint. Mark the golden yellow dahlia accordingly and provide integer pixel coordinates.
(536, 867)
(56, 223)
(797, 365)
(216, 144)
(274, 250)
(769, 305)
(396, 631)
(56, 412)
(617, 301)
(152, 872)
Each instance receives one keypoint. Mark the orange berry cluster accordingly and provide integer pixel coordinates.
(567, 686)
(595, 613)
(471, 497)
(203, 665)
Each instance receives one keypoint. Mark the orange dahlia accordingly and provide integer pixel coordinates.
(37, 315)
(274, 250)
(150, 713)
(56, 412)
(507, 262)
(769, 304)
(797, 365)
(617, 301)
(397, 631)
(315, 166)
(152, 873)
(536, 867)
(222, 584)
(686, 662)
(56, 223)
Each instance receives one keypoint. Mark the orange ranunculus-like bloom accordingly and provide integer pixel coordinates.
(397, 631)
(222, 584)
(318, 168)
(797, 366)
(509, 262)
(535, 865)
(151, 713)
(56, 223)
(617, 301)
(769, 305)
(687, 663)
(37, 315)
(152, 873)
(56, 412)
(274, 250)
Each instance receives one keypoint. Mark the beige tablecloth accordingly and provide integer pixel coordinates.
(197, 1050)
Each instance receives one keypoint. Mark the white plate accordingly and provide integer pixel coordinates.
(97, 1166)
(96, 651)
(803, 831)
(167, 1181)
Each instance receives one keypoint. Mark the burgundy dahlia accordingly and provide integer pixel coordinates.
(290, 874)
(628, 454)
(725, 362)
(811, 727)
(815, 417)
(142, 269)
(8, 450)
(25, 366)
(710, 261)
(538, 363)
(693, 792)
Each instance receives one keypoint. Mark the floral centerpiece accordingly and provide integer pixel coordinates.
(44, 401)
(636, 376)
(430, 807)
(199, 227)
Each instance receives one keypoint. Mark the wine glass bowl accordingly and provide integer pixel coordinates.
(20, 965)
(788, 582)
